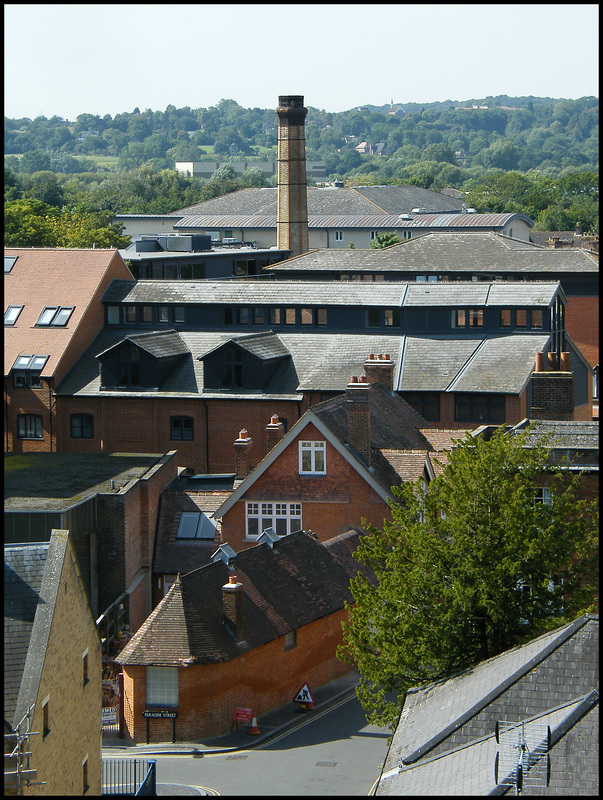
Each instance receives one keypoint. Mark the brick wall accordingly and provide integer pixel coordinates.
(331, 503)
(74, 709)
(582, 324)
(142, 425)
(262, 679)
(28, 401)
(126, 532)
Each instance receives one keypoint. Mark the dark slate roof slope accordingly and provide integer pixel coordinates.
(284, 588)
(329, 200)
(173, 555)
(394, 424)
(446, 728)
(23, 573)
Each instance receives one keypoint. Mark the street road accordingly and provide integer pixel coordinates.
(332, 751)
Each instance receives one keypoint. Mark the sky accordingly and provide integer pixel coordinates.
(69, 59)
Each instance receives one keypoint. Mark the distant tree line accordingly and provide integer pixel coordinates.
(535, 155)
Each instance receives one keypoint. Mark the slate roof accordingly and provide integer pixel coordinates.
(574, 444)
(23, 572)
(285, 588)
(304, 293)
(44, 277)
(394, 424)
(329, 200)
(422, 363)
(373, 220)
(160, 344)
(477, 252)
(444, 743)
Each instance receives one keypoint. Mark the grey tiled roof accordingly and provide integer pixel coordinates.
(160, 344)
(329, 200)
(364, 220)
(301, 293)
(444, 742)
(23, 573)
(449, 252)
(429, 363)
(188, 622)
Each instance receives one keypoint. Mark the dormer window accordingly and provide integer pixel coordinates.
(129, 366)
(55, 316)
(312, 457)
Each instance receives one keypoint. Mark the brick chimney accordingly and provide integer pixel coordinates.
(274, 432)
(553, 388)
(359, 416)
(232, 603)
(380, 369)
(242, 450)
(292, 190)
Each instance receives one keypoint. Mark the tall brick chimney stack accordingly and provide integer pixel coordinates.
(359, 416)
(380, 369)
(242, 449)
(232, 604)
(553, 388)
(292, 189)
(274, 432)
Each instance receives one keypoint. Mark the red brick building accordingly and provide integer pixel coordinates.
(335, 468)
(241, 631)
(53, 312)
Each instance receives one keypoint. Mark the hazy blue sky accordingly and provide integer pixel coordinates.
(102, 59)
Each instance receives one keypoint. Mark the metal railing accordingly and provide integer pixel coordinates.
(129, 777)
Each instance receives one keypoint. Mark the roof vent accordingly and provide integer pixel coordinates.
(224, 553)
(269, 537)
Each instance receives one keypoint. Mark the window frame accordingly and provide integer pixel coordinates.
(58, 317)
(272, 514)
(26, 425)
(313, 447)
(86, 426)
(473, 400)
(178, 421)
(161, 687)
(10, 319)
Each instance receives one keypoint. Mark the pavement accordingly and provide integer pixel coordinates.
(268, 724)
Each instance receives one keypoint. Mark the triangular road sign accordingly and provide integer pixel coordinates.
(303, 696)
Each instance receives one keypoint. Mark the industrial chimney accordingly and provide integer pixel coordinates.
(292, 189)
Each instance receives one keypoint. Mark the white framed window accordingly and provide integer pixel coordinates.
(162, 686)
(312, 457)
(338, 236)
(284, 518)
(542, 495)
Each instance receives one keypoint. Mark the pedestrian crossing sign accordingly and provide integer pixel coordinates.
(303, 696)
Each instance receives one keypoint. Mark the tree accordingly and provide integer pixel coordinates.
(382, 240)
(468, 568)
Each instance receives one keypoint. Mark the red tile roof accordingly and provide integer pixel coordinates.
(44, 277)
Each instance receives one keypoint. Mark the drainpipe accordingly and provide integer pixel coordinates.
(206, 434)
(6, 415)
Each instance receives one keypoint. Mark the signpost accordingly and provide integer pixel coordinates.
(161, 714)
(240, 715)
(304, 698)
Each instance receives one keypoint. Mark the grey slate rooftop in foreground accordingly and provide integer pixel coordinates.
(445, 744)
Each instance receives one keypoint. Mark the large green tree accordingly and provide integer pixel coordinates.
(468, 568)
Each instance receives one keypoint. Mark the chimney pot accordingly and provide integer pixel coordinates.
(539, 362)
